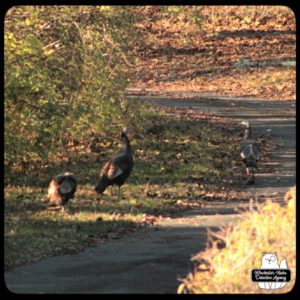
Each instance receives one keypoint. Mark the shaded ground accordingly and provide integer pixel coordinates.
(152, 260)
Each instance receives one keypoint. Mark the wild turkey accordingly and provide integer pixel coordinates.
(62, 188)
(118, 168)
(250, 153)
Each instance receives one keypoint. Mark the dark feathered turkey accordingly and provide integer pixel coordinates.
(250, 152)
(118, 168)
(62, 188)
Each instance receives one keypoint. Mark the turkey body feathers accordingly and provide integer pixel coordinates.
(249, 152)
(118, 168)
(249, 148)
(62, 188)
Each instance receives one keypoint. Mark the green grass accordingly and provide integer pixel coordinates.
(176, 158)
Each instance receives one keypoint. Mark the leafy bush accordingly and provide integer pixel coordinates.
(66, 69)
(228, 270)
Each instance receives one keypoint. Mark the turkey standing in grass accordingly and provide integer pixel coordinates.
(118, 168)
(250, 153)
(62, 188)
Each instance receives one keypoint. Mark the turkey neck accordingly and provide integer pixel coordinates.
(247, 133)
(126, 143)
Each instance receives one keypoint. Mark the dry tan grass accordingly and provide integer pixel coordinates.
(228, 270)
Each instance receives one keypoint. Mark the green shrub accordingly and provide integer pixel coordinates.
(66, 69)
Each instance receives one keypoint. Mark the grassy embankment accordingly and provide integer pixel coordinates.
(272, 228)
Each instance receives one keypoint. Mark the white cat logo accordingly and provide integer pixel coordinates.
(270, 261)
